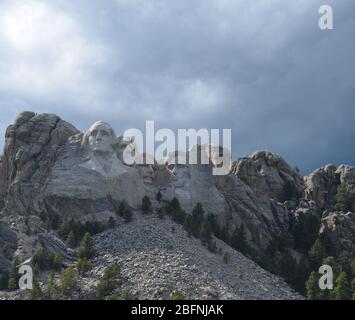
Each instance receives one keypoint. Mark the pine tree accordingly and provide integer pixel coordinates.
(13, 276)
(353, 288)
(159, 196)
(176, 212)
(316, 254)
(12, 283)
(36, 269)
(215, 227)
(206, 233)
(51, 290)
(57, 262)
(111, 222)
(305, 231)
(28, 226)
(35, 293)
(68, 281)
(128, 215)
(288, 268)
(108, 282)
(225, 235)
(342, 288)
(125, 211)
(122, 208)
(343, 198)
(146, 205)
(48, 224)
(71, 239)
(226, 257)
(302, 272)
(312, 287)
(82, 265)
(86, 249)
(64, 228)
(212, 246)
(336, 267)
(353, 268)
(238, 239)
(197, 220)
(44, 260)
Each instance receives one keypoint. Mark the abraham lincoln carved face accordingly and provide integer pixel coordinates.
(100, 138)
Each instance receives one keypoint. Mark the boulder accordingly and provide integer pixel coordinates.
(321, 186)
(269, 176)
(31, 147)
(339, 227)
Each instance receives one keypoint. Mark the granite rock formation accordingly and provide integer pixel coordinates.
(49, 167)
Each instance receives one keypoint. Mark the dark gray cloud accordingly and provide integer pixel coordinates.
(262, 68)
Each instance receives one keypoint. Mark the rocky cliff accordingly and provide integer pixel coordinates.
(50, 169)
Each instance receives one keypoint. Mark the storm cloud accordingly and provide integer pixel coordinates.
(262, 68)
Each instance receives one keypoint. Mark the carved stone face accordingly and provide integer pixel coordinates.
(101, 138)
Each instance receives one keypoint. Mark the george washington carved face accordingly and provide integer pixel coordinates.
(100, 138)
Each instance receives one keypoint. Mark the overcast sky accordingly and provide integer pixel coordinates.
(262, 68)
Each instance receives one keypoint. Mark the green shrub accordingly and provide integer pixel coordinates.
(68, 280)
(35, 293)
(86, 249)
(51, 291)
(83, 265)
(71, 239)
(47, 260)
(342, 288)
(127, 294)
(108, 282)
(226, 257)
(312, 287)
(316, 254)
(72, 232)
(13, 276)
(125, 211)
(212, 246)
(177, 295)
(174, 210)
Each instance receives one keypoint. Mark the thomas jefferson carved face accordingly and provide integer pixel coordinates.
(101, 138)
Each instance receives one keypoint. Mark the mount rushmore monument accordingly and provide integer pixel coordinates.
(50, 168)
